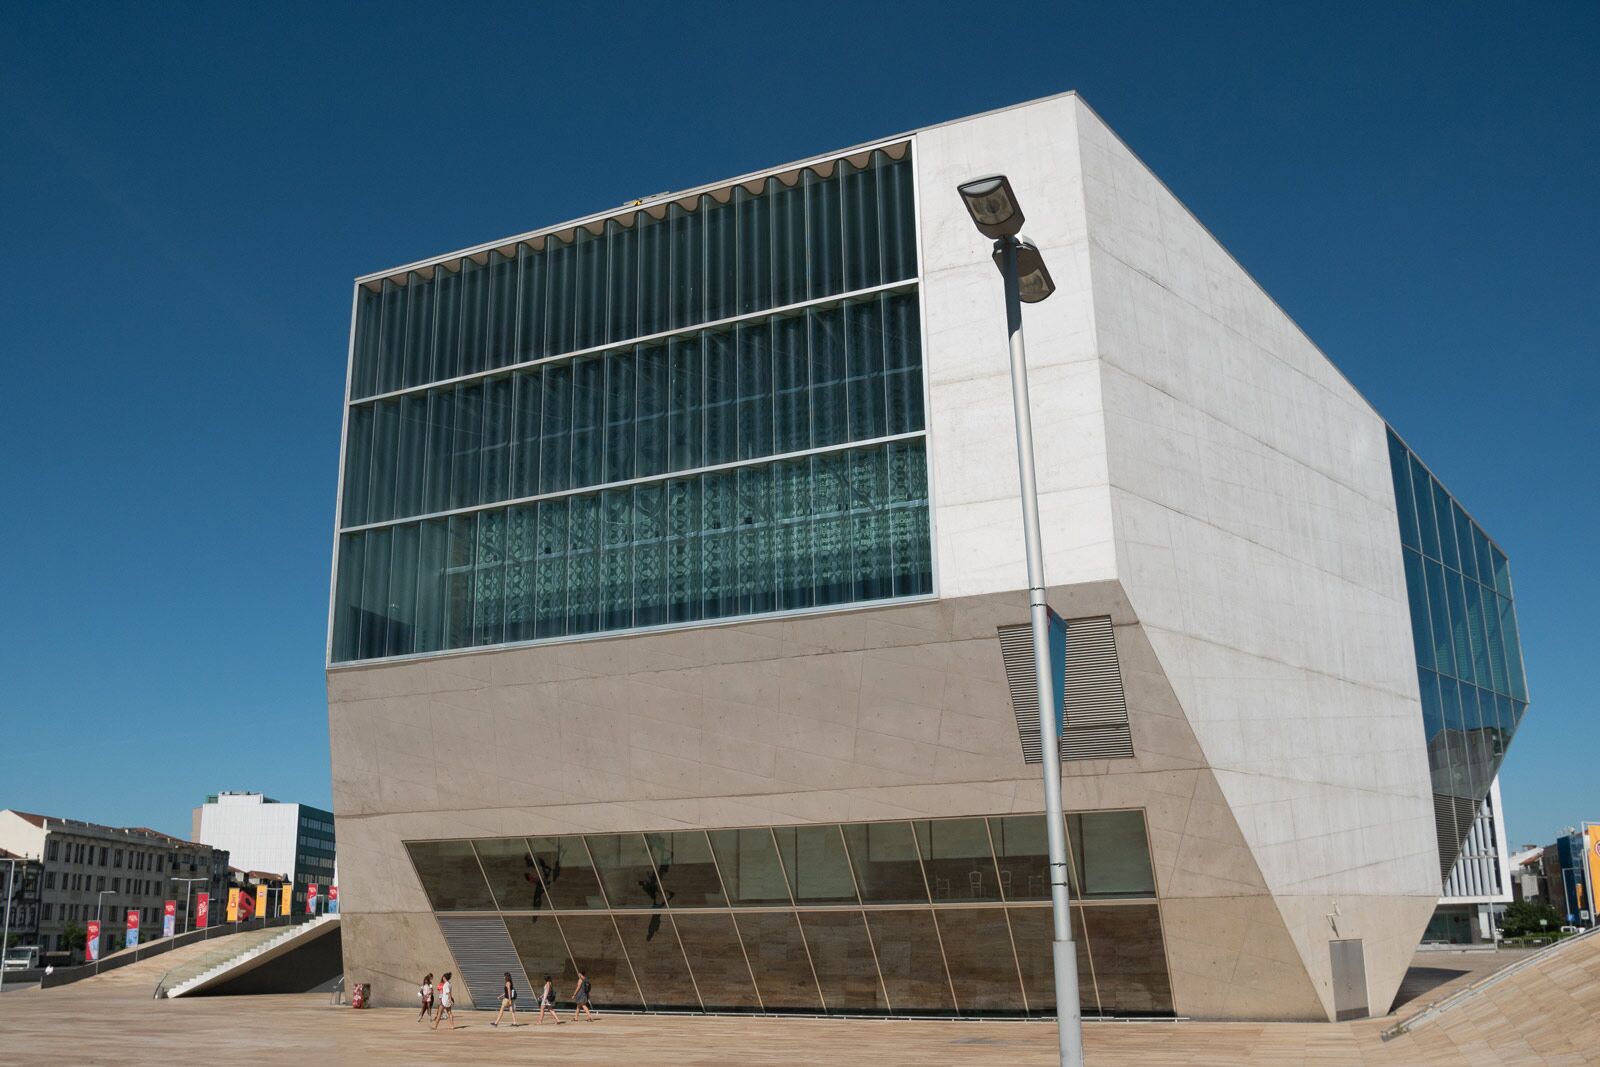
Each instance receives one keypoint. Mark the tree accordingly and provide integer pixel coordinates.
(1522, 918)
(77, 937)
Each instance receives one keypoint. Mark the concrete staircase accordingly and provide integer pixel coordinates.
(240, 952)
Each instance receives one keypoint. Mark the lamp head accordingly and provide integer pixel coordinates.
(1033, 278)
(992, 205)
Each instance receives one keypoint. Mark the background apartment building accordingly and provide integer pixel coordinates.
(263, 835)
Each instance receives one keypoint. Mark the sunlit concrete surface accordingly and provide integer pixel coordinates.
(1548, 1013)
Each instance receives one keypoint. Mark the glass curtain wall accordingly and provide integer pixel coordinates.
(612, 431)
(928, 917)
(1464, 630)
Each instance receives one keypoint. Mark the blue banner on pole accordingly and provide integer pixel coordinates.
(1058, 666)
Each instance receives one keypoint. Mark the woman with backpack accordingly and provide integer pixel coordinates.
(547, 1002)
(580, 998)
(508, 1001)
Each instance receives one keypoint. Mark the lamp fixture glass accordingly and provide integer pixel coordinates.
(992, 205)
(1033, 278)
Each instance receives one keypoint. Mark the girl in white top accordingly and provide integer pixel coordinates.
(425, 994)
(547, 1002)
(447, 1002)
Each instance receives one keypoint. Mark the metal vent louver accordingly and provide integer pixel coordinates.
(1096, 709)
(483, 952)
(1452, 820)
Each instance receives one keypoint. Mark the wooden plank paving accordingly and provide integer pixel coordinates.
(1546, 1014)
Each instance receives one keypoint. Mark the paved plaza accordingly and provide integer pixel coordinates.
(1548, 1013)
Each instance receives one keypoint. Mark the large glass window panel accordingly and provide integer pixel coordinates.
(402, 606)
(887, 867)
(1455, 734)
(815, 861)
(621, 376)
(831, 529)
(1460, 627)
(754, 389)
(719, 411)
(622, 301)
(655, 273)
(623, 863)
(791, 381)
(364, 358)
(1405, 504)
(909, 533)
(658, 961)
(357, 464)
(824, 232)
(489, 579)
(522, 535)
(910, 961)
(348, 598)
(1417, 596)
(751, 872)
(687, 295)
(1130, 965)
(450, 875)
(419, 330)
(560, 286)
(754, 540)
(651, 411)
(788, 241)
(649, 555)
(1111, 855)
(863, 260)
(1422, 486)
(583, 564)
(392, 341)
(1482, 550)
(596, 949)
(527, 402)
(512, 874)
(1513, 642)
(1033, 934)
(616, 559)
(385, 456)
(437, 467)
(588, 430)
(716, 958)
(1433, 731)
(755, 249)
(447, 323)
(589, 310)
(567, 872)
(433, 548)
(841, 957)
(411, 463)
(794, 571)
(502, 340)
(684, 403)
(957, 856)
(829, 370)
(902, 329)
(474, 316)
(687, 869)
(1449, 552)
(375, 594)
(1477, 635)
(1022, 851)
(864, 360)
(550, 570)
(683, 550)
(1444, 656)
(495, 479)
(722, 265)
(718, 562)
(872, 559)
(465, 448)
(977, 946)
(532, 297)
(897, 195)
(1502, 571)
(778, 958)
(543, 952)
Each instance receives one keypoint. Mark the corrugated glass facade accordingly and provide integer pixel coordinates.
(1464, 629)
(694, 410)
(926, 917)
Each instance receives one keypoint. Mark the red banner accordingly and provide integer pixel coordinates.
(311, 899)
(202, 910)
(91, 942)
(132, 937)
(247, 906)
(169, 918)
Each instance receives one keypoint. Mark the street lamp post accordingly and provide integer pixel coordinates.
(188, 884)
(996, 213)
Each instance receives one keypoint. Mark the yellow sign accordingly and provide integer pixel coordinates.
(1591, 854)
(261, 902)
(233, 904)
(286, 898)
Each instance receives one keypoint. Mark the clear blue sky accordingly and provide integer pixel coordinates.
(187, 190)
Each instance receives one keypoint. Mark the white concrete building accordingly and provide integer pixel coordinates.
(678, 551)
(264, 835)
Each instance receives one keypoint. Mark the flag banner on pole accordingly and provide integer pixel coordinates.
(233, 904)
(333, 900)
(169, 918)
(133, 928)
(91, 942)
(286, 896)
(311, 899)
(202, 910)
(261, 901)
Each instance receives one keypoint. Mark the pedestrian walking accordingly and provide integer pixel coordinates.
(447, 1002)
(547, 1002)
(508, 1001)
(580, 998)
(425, 994)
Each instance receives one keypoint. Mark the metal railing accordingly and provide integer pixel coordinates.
(66, 975)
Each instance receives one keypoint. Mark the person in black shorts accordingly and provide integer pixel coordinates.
(580, 998)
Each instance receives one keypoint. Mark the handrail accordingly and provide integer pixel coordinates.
(338, 992)
(66, 975)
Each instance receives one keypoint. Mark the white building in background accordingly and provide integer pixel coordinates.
(263, 834)
(1479, 886)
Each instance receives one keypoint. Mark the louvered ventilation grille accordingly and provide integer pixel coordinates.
(1452, 819)
(1096, 709)
(484, 953)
